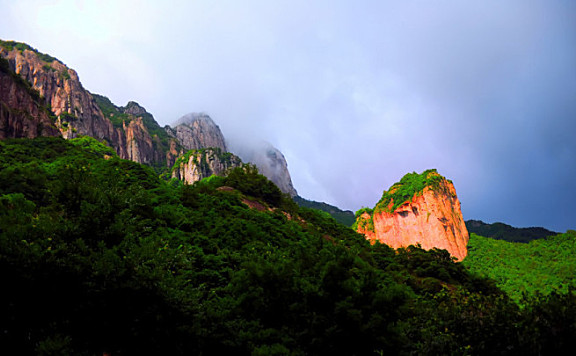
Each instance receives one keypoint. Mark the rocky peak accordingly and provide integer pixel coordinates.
(198, 164)
(197, 131)
(133, 108)
(420, 209)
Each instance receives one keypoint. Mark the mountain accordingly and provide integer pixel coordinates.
(98, 255)
(197, 130)
(41, 96)
(506, 232)
(345, 217)
(198, 164)
(420, 209)
(270, 162)
(130, 130)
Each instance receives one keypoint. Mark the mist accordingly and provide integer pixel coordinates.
(354, 94)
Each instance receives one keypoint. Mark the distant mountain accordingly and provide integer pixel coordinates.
(270, 162)
(345, 217)
(506, 232)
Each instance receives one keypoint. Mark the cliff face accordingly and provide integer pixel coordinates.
(198, 164)
(270, 162)
(195, 131)
(430, 217)
(22, 113)
(77, 112)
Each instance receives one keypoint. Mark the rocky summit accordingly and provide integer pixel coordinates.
(420, 209)
(196, 131)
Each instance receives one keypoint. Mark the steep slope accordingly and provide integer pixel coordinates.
(420, 209)
(136, 137)
(22, 112)
(270, 162)
(195, 131)
(198, 164)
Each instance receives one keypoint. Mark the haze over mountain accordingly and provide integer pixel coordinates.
(354, 94)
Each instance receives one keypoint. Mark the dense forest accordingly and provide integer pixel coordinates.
(542, 266)
(100, 255)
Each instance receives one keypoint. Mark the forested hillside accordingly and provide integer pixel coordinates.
(98, 254)
(541, 266)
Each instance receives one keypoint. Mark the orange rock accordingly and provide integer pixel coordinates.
(432, 218)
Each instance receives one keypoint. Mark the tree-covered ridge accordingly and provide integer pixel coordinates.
(409, 186)
(97, 254)
(539, 267)
(345, 217)
(10, 45)
(506, 232)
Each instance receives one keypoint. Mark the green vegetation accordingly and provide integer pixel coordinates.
(111, 111)
(506, 232)
(98, 255)
(48, 67)
(541, 266)
(65, 75)
(10, 45)
(409, 186)
(345, 217)
(363, 222)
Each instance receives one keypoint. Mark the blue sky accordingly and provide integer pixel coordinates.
(354, 93)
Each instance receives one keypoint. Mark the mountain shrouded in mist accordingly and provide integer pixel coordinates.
(130, 130)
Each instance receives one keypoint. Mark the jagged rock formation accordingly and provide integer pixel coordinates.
(130, 130)
(270, 162)
(202, 163)
(22, 113)
(77, 113)
(197, 130)
(420, 209)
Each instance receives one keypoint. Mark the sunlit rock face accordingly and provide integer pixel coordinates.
(431, 218)
(270, 162)
(196, 131)
(75, 109)
(199, 164)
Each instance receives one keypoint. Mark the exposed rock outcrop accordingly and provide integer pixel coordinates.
(135, 136)
(270, 162)
(195, 131)
(420, 209)
(22, 113)
(198, 164)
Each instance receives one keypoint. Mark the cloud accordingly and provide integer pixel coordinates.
(355, 94)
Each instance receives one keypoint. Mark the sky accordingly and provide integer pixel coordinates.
(354, 93)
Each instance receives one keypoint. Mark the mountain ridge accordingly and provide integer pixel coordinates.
(71, 111)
